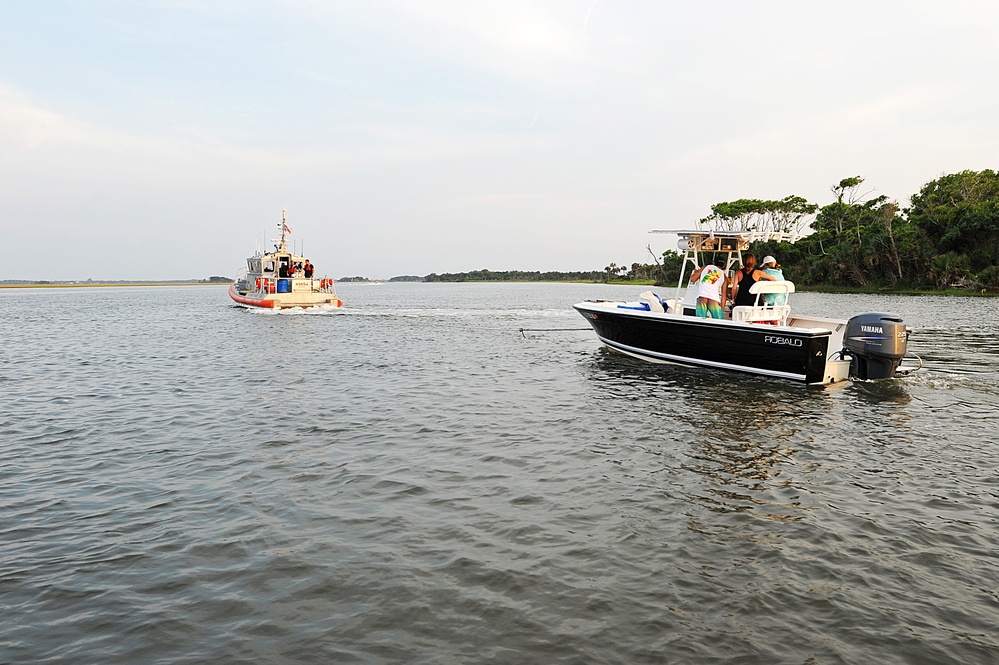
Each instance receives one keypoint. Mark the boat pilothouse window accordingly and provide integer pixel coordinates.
(268, 268)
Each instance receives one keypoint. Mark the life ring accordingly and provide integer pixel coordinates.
(258, 284)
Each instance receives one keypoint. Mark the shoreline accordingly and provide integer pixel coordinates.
(800, 289)
(86, 285)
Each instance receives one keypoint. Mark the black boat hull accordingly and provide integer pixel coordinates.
(783, 352)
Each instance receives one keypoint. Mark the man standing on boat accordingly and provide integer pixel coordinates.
(712, 289)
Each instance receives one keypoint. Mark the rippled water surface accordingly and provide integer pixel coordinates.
(414, 480)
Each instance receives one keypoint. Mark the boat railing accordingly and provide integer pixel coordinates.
(323, 285)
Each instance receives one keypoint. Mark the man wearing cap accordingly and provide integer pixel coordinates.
(712, 289)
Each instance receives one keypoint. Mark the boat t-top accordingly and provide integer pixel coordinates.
(764, 338)
(281, 279)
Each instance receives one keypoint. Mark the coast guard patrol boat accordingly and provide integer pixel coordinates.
(282, 279)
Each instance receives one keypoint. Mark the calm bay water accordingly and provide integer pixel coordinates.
(413, 480)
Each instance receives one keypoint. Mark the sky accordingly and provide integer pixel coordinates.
(162, 139)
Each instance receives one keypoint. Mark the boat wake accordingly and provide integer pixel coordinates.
(316, 310)
(422, 313)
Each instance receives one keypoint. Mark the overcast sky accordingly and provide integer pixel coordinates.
(161, 139)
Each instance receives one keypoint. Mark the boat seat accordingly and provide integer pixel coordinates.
(765, 286)
(654, 302)
(765, 313)
(761, 311)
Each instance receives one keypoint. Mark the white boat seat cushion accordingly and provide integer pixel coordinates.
(653, 301)
(764, 286)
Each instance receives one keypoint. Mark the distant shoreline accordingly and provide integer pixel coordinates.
(801, 289)
(76, 285)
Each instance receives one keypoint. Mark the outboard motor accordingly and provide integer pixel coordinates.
(876, 344)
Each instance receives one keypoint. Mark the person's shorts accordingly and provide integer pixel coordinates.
(707, 307)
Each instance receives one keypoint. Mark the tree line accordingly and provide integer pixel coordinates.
(948, 237)
(516, 276)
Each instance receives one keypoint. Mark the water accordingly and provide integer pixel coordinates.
(413, 480)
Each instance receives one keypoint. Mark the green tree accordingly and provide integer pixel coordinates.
(855, 242)
(787, 215)
(960, 213)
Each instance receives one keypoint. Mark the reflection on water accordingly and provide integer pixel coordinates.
(737, 433)
(878, 392)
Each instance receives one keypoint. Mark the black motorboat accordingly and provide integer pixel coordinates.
(766, 339)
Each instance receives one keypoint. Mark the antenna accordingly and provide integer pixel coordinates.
(285, 229)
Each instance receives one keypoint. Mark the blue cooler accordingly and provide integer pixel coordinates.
(284, 286)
